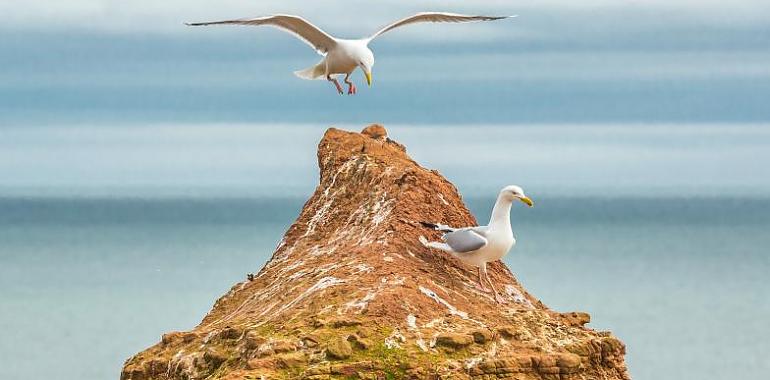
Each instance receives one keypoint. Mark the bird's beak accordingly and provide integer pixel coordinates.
(368, 78)
(527, 201)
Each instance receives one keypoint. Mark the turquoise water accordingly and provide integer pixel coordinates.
(87, 282)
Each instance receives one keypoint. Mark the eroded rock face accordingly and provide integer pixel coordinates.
(351, 293)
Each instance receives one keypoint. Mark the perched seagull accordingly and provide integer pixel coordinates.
(480, 245)
(342, 56)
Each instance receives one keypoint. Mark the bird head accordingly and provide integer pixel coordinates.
(513, 192)
(366, 62)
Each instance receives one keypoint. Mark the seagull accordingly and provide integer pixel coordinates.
(479, 245)
(341, 56)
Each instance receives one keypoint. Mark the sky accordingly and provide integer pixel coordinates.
(86, 84)
(247, 160)
(558, 62)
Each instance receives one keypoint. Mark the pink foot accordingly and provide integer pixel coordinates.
(336, 84)
(351, 89)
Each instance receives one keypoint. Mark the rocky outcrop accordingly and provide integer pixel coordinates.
(350, 292)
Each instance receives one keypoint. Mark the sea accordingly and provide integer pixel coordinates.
(660, 234)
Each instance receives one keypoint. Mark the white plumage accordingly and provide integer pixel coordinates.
(342, 56)
(479, 245)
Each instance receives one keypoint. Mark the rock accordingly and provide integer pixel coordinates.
(253, 340)
(229, 333)
(482, 336)
(311, 340)
(454, 341)
(177, 336)
(375, 131)
(321, 370)
(214, 358)
(358, 342)
(581, 348)
(339, 349)
(350, 280)
(568, 363)
(280, 346)
(265, 349)
(515, 333)
(350, 369)
(261, 363)
(154, 367)
(488, 366)
(292, 360)
(543, 361)
(343, 322)
(576, 318)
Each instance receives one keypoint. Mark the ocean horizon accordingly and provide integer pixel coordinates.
(94, 280)
(231, 160)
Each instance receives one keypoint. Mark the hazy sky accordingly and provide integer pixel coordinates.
(116, 95)
(249, 159)
(560, 61)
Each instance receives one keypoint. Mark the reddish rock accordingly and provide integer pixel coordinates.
(453, 340)
(482, 336)
(338, 349)
(568, 363)
(253, 340)
(229, 333)
(576, 318)
(351, 264)
(375, 131)
(176, 336)
(359, 343)
(262, 363)
(280, 346)
(292, 360)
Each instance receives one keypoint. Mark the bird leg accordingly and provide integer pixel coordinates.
(351, 86)
(482, 287)
(498, 298)
(336, 83)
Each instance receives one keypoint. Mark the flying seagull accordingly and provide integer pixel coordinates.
(479, 245)
(342, 56)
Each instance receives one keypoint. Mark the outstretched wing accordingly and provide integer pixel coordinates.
(435, 17)
(298, 26)
(465, 240)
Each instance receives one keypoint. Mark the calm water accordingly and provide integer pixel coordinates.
(85, 283)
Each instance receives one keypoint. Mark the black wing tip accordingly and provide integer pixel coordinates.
(493, 18)
(207, 23)
(429, 225)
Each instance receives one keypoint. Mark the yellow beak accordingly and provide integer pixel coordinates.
(527, 201)
(368, 78)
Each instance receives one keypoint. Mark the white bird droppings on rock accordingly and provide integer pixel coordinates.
(440, 300)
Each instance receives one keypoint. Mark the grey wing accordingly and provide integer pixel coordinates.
(298, 26)
(481, 230)
(435, 17)
(465, 240)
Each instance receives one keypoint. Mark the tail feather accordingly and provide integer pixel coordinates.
(312, 72)
(435, 245)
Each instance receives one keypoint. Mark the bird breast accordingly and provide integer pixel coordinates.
(343, 59)
(499, 245)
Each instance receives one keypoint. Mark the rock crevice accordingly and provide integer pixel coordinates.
(350, 292)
